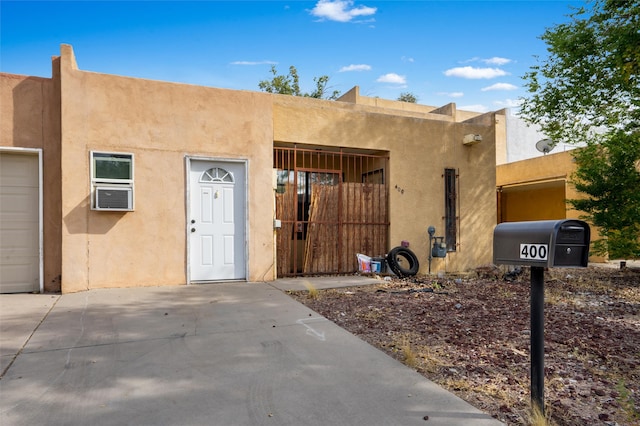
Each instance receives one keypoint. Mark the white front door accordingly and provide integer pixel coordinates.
(216, 225)
(19, 223)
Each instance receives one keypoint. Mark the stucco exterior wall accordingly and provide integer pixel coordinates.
(553, 169)
(533, 202)
(420, 147)
(546, 167)
(30, 118)
(521, 139)
(161, 124)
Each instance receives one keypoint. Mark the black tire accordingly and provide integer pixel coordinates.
(403, 262)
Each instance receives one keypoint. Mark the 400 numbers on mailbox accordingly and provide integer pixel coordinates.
(534, 251)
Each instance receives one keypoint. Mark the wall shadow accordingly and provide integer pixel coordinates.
(78, 220)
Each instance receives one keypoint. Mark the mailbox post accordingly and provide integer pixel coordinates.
(540, 244)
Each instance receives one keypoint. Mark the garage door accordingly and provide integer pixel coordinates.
(19, 223)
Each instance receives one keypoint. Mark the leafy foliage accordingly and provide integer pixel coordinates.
(290, 85)
(588, 91)
(591, 78)
(407, 97)
(609, 175)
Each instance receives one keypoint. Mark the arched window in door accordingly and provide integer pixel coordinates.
(216, 175)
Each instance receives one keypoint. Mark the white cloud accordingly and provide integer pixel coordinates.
(496, 61)
(509, 103)
(353, 67)
(452, 94)
(474, 108)
(407, 59)
(254, 63)
(499, 86)
(340, 10)
(392, 78)
(475, 73)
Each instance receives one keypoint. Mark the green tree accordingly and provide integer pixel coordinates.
(290, 85)
(591, 77)
(608, 174)
(588, 91)
(407, 97)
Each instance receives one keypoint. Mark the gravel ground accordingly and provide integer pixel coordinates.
(471, 335)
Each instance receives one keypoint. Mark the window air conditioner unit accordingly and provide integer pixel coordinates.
(114, 198)
(471, 139)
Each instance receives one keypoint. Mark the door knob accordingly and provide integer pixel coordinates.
(193, 221)
(193, 229)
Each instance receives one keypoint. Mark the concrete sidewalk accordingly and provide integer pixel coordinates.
(218, 354)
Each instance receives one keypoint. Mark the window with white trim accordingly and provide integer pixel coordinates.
(112, 176)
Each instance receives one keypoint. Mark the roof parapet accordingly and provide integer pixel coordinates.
(68, 58)
(448, 110)
(487, 118)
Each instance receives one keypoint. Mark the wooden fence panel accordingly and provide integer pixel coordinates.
(343, 221)
(285, 211)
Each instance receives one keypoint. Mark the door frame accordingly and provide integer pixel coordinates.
(38, 152)
(245, 163)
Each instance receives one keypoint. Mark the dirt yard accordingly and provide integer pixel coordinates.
(471, 335)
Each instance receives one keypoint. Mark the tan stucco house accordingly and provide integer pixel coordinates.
(111, 181)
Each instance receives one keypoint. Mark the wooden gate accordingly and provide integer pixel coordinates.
(332, 205)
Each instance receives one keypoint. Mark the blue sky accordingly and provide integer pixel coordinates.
(473, 53)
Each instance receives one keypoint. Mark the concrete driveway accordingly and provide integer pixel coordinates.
(218, 354)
